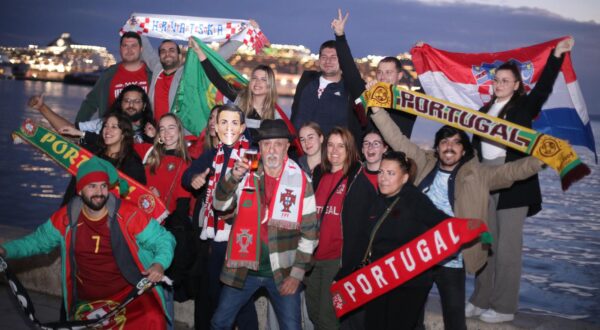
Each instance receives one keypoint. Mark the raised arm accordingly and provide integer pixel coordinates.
(56, 121)
(211, 72)
(395, 139)
(352, 78)
(543, 88)
(149, 54)
(503, 176)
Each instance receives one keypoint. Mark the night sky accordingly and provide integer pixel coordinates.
(378, 27)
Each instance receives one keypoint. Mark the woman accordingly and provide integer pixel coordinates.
(165, 165)
(257, 100)
(496, 295)
(311, 140)
(115, 144)
(411, 214)
(339, 167)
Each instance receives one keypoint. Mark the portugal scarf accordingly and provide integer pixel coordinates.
(70, 156)
(403, 264)
(214, 227)
(554, 152)
(207, 29)
(284, 211)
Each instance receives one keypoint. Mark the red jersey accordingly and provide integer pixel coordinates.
(167, 180)
(123, 78)
(330, 237)
(161, 94)
(98, 275)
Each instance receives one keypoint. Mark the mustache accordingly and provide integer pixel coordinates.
(449, 151)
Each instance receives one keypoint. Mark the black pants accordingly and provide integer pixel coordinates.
(450, 283)
(398, 309)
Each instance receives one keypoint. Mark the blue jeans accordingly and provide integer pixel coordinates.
(232, 299)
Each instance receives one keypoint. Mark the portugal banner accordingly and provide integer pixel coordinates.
(206, 29)
(404, 263)
(554, 152)
(197, 95)
(466, 79)
(70, 156)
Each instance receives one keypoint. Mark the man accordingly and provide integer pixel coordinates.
(201, 178)
(274, 230)
(108, 244)
(325, 96)
(167, 69)
(130, 71)
(458, 184)
(389, 70)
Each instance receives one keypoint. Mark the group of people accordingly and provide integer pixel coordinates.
(296, 221)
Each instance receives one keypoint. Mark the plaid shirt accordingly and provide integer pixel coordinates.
(290, 251)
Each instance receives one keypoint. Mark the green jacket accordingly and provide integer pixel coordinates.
(147, 242)
(97, 99)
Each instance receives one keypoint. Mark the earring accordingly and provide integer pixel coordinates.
(160, 140)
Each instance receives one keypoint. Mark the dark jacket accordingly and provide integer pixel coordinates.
(360, 196)
(413, 215)
(523, 110)
(334, 108)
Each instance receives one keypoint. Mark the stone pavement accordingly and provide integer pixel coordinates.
(47, 310)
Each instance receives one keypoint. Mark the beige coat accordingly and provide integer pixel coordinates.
(473, 184)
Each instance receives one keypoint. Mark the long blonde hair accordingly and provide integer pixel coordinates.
(158, 150)
(245, 98)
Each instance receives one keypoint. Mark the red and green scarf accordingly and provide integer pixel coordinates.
(213, 227)
(404, 263)
(284, 211)
(70, 156)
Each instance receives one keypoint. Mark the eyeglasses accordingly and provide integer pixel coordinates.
(503, 82)
(374, 144)
(132, 101)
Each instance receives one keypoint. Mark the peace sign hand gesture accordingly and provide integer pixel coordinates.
(338, 23)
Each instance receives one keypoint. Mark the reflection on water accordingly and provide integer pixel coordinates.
(561, 257)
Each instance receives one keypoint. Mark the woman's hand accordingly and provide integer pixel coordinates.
(564, 46)
(194, 45)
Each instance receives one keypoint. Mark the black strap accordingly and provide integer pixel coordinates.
(329, 197)
(366, 259)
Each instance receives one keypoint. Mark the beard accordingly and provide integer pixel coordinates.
(95, 202)
(272, 161)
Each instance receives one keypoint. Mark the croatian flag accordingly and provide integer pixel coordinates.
(466, 79)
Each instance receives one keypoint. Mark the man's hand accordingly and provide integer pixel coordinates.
(338, 23)
(289, 286)
(254, 24)
(155, 273)
(564, 46)
(240, 168)
(375, 109)
(370, 84)
(194, 45)
(200, 179)
(36, 102)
